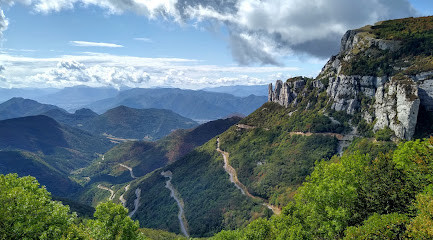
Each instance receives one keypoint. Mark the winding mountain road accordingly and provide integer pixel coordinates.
(137, 192)
(136, 202)
(174, 194)
(234, 179)
(130, 170)
(107, 189)
(121, 198)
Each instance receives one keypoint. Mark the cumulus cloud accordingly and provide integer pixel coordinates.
(295, 26)
(260, 31)
(97, 70)
(71, 72)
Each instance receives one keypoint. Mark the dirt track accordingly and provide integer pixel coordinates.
(234, 179)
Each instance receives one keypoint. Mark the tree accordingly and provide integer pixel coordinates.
(112, 223)
(421, 227)
(328, 197)
(27, 211)
(388, 226)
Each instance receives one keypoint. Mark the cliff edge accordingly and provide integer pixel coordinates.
(383, 74)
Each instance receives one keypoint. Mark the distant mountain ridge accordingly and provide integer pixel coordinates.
(196, 105)
(76, 97)
(131, 123)
(20, 107)
(77, 119)
(240, 90)
(123, 122)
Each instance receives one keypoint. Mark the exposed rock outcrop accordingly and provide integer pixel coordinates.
(388, 98)
(396, 107)
(285, 93)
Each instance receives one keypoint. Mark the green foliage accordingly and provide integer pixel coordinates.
(155, 234)
(272, 163)
(27, 212)
(112, 222)
(415, 159)
(413, 56)
(384, 134)
(421, 227)
(358, 197)
(390, 226)
(271, 115)
(259, 229)
(328, 197)
(82, 210)
(26, 163)
(365, 129)
(41, 147)
(372, 148)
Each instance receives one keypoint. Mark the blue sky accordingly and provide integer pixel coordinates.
(149, 43)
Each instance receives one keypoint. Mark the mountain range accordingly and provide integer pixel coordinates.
(119, 123)
(339, 156)
(197, 105)
(240, 90)
(206, 105)
(256, 167)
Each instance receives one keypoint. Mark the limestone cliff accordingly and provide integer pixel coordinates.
(382, 73)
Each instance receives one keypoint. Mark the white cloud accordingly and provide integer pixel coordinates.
(95, 69)
(3, 23)
(260, 30)
(143, 39)
(94, 44)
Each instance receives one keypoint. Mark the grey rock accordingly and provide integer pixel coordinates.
(392, 103)
(285, 93)
(397, 107)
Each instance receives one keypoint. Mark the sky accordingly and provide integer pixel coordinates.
(178, 43)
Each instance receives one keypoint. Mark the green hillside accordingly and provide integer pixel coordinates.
(275, 149)
(31, 164)
(41, 147)
(143, 158)
(270, 161)
(358, 196)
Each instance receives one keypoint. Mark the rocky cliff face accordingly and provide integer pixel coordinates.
(370, 76)
(286, 93)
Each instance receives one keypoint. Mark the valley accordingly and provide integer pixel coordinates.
(347, 154)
